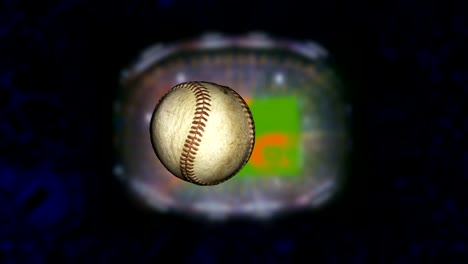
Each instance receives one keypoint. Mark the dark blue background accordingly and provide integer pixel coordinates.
(405, 64)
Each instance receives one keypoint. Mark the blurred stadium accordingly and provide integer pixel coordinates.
(301, 117)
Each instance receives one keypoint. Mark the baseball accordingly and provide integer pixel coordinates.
(202, 132)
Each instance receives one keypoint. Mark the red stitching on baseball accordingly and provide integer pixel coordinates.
(202, 99)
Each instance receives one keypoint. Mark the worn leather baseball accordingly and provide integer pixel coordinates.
(202, 132)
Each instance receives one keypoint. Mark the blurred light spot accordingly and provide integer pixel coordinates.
(212, 40)
(279, 78)
(148, 118)
(118, 170)
(180, 77)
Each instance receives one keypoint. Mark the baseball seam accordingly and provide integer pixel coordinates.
(192, 142)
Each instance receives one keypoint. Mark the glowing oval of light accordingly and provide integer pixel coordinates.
(300, 114)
